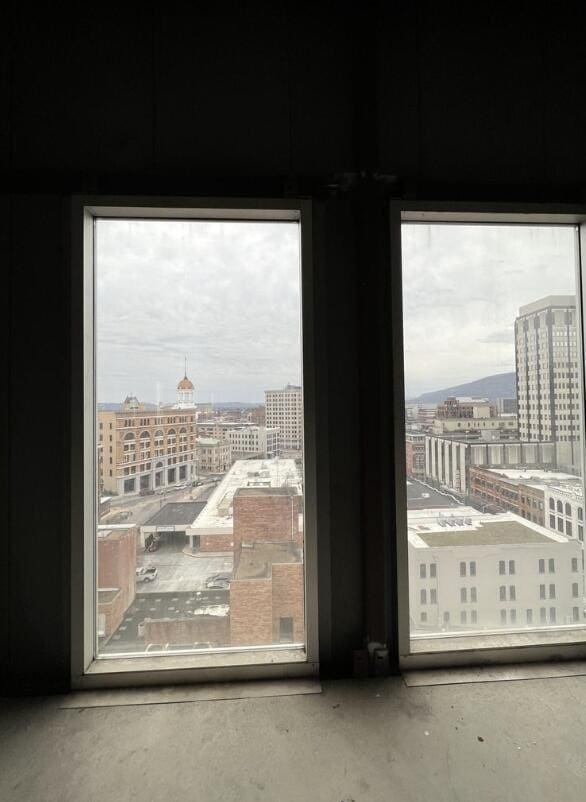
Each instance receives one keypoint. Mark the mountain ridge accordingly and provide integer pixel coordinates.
(500, 385)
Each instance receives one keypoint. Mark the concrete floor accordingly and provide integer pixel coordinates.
(357, 741)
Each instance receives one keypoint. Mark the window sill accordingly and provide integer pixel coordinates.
(112, 672)
(567, 643)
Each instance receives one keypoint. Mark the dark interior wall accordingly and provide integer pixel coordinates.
(249, 99)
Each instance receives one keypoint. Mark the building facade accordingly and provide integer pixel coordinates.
(564, 506)
(116, 565)
(254, 442)
(454, 407)
(213, 455)
(489, 428)
(448, 459)
(471, 572)
(144, 449)
(284, 411)
(548, 375)
(415, 455)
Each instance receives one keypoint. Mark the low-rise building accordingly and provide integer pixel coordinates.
(448, 459)
(213, 455)
(474, 572)
(465, 407)
(489, 428)
(215, 524)
(260, 442)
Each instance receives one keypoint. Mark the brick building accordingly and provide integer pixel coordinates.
(415, 455)
(145, 449)
(267, 590)
(116, 575)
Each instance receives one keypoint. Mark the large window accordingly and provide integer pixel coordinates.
(193, 323)
(493, 393)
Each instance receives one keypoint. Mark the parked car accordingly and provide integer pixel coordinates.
(144, 574)
(218, 584)
(225, 575)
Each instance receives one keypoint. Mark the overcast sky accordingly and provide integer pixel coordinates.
(224, 294)
(462, 289)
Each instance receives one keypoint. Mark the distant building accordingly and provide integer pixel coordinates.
(521, 491)
(506, 406)
(254, 441)
(213, 455)
(116, 563)
(415, 455)
(489, 428)
(548, 375)
(257, 415)
(470, 572)
(143, 449)
(284, 411)
(467, 407)
(448, 458)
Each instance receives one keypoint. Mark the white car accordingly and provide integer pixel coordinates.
(145, 574)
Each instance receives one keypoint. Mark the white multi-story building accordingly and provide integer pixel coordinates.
(472, 572)
(254, 441)
(564, 508)
(548, 375)
(284, 411)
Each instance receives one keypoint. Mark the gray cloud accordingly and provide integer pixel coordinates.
(462, 289)
(224, 294)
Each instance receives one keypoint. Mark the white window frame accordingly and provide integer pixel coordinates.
(510, 646)
(230, 663)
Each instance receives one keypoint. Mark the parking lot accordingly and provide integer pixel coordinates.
(159, 605)
(421, 496)
(179, 572)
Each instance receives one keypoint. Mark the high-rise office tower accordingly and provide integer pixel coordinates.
(548, 375)
(284, 409)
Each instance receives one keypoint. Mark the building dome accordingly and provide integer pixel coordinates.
(185, 384)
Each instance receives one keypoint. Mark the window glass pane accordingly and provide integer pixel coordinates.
(200, 538)
(489, 311)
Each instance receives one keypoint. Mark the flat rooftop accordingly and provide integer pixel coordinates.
(531, 474)
(556, 301)
(176, 513)
(217, 517)
(256, 561)
(486, 534)
(469, 527)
